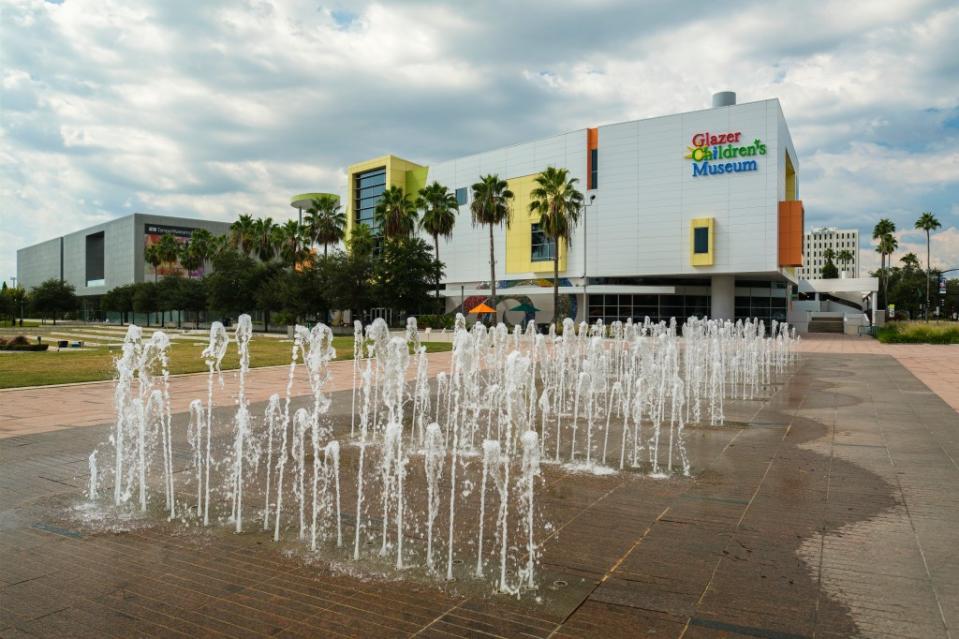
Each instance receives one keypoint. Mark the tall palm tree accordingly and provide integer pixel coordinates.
(844, 256)
(395, 214)
(883, 227)
(361, 240)
(169, 249)
(202, 244)
(491, 206)
(325, 221)
(291, 243)
(887, 246)
(242, 234)
(439, 208)
(190, 257)
(928, 223)
(559, 204)
(152, 256)
(264, 238)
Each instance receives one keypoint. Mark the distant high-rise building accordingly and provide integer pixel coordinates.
(815, 243)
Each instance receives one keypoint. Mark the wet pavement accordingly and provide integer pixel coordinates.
(829, 510)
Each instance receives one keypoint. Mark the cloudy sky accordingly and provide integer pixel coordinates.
(214, 109)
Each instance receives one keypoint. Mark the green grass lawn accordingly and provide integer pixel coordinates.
(919, 332)
(93, 364)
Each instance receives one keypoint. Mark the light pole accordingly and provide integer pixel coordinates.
(592, 199)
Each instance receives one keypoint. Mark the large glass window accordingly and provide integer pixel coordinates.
(701, 240)
(368, 187)
(611, 308)
(594, 169)
(542, 245)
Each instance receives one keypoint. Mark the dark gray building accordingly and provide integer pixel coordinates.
(101, 257)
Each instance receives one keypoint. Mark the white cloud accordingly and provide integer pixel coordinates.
(213, 109)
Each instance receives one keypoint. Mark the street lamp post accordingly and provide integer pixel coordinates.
(592, 199)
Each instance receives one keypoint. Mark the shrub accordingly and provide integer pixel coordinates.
(918, 333)
(21, 343)
(435, 321)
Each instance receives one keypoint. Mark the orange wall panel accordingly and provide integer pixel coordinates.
(791, 228)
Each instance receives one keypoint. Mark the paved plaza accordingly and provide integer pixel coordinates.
(827, 509)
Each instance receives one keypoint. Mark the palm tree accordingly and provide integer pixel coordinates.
(190, 257)
(829, 254)
(395, 214)
(909, 261)
(291, 243)
(491, 204)
(169, 249)
(887, 246)
(439, 208)
(152, 256)
(242, 234)
(361, 240)
(559, 204)
(883, 227)
(325, 221)
(202, 245)
(844, 256)
(264, 238)
(928, 223)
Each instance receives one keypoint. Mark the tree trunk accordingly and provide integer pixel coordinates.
(325, 248)
(436, 247)
(928, 273)
(492, 264)
(556, 317)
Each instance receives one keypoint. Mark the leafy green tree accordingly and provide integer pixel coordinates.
(191, 297)
(119, 299)
(559, 204)
(346, 278)
(909, 261)
(402, 274)
(326, 221)
(439, 209)
(19, 295)
(146, 298)
(268, 290)
(7, 306)
(53, 298)
(168, 297)
(231, 285)
(928, 223)
(395, 214)
(829, 270)
(491, 206)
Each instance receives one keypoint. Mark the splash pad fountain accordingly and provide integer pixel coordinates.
(442, 479)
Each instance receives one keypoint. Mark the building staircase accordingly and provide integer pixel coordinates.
(826, 324)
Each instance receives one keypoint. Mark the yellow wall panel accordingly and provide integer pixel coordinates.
(519, 245)
(702, 259)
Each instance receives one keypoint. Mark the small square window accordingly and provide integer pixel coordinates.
(541, 245)
(462, 196)
(701, 240)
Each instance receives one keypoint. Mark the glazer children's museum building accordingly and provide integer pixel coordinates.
(690, 214)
